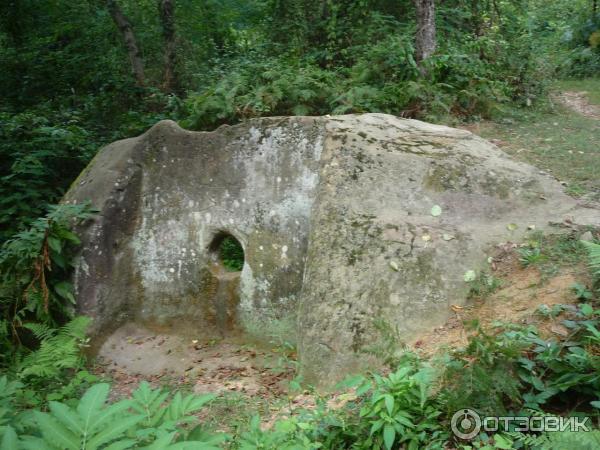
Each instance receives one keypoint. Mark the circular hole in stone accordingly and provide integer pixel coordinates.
(228, 252)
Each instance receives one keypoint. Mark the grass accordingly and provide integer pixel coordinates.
(555, 139)
(591, 86)
(553, 252)
(232, 411)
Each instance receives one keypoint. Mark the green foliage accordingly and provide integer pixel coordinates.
(561, 440)
(400, 411)
(582, 292)
(352, 57)
(517, 368)
(530, 256)
(396, 411)
(265, 88)
(307, 430)
(485, 284)
(149, 420)
(66, 89)
(483, 375)
(594, 257)
(35, 266)
(59, 349)
(231, 254)
(40, 155)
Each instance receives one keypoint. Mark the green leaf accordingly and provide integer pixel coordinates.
(66, 416)
(121, 445)
(65, 290)
(502, 443)
(69, 236)
(55, 433)
(162, 442)
(192, 445)
(91, 403)
(55, 244)
(587, 309)
(389, 436)
(114, 431)
(389, 403)
(198, 401)
(376, 426)
(403, 418)
(10, 440)
(33, 443)
(366, 387)
(108, 413)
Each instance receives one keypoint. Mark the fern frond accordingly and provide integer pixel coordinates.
(580, 440)
(76, 328)
(59, 349)
(594, 256)
(41, 331)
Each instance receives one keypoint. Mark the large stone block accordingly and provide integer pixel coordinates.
(335, 218)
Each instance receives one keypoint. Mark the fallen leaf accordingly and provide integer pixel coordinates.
(436, 210)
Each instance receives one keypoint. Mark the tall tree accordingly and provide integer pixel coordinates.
(166, 11)
(126, 30)
(425, 41)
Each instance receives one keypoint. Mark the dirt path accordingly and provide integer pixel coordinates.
(134, 353)
(578, 102)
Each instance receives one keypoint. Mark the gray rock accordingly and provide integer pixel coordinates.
(335, 217)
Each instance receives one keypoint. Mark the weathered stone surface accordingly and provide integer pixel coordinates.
(165, 196)
(335, 217)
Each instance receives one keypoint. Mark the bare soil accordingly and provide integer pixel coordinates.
(578, 102)
(522, 293)
(135, 353)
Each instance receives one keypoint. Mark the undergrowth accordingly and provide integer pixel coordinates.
(508, 370)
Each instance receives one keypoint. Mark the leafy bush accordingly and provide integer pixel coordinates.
(40, 156)
(35, 267)
(59, 349)
(402, 412)
(149, 420)
(483, 375)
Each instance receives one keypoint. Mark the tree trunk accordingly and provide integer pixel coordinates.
(425, 42)
(126, 30)
(166, 10)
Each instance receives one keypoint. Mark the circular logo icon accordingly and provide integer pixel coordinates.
(466, 424)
